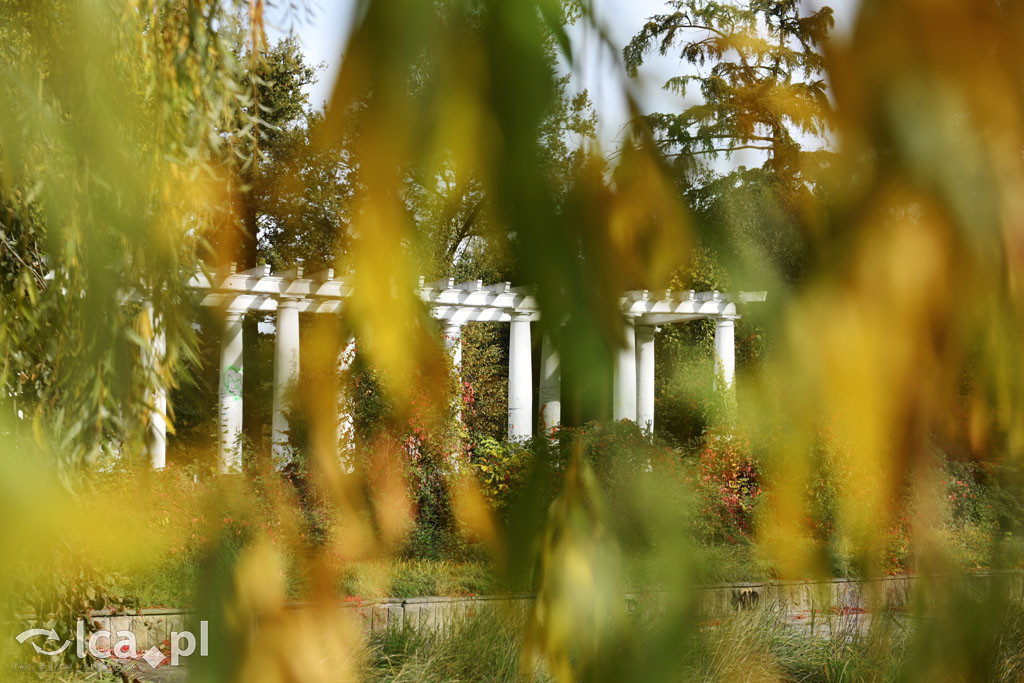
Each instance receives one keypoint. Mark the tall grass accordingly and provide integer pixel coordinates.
(757, 646)
(485, 647)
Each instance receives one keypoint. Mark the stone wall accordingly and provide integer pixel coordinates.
(153, 626)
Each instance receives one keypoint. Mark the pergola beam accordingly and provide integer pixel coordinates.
(255, 290)
(481, 314)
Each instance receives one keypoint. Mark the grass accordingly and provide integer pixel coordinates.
(750, 648)
(753, 646)
(763, 646)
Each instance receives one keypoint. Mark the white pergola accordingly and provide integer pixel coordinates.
(292, 292)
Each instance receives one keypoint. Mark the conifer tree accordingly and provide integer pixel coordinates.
(758, 68)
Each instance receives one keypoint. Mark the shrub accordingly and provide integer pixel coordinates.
(501, 467)
(616, 451)
(968, 520)
(729, 487)
(971, 525)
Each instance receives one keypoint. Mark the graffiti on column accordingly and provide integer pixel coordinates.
(233, 382)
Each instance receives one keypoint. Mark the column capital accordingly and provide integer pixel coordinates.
(288, 302)
(645, 332)
(520, 316)
(232, 316)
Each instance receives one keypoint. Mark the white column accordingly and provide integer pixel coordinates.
(520, 379)
(156, 432)
(286, 371)
(725, 350)
(550, 390)
(231, 369)
(453, 344)
(645, 377)
(624, 377)
(346, 425)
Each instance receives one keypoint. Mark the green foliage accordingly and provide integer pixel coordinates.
(126, 106)
(502, 467)
(685, 401)
(511, 473)
(303, 196)
(764, 85)
(751, 230)
(485, 373)
(427, 447)
(278, 75)
(723, 470)
(274, 78)
(687, 398)
(412, 578)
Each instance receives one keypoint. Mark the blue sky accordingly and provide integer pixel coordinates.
(323, 29)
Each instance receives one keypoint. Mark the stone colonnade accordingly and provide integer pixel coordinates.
(455, 305)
